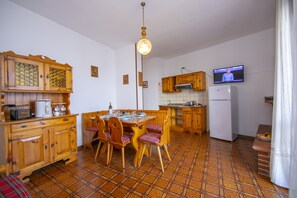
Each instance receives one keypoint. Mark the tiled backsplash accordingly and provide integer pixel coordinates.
(181, 97)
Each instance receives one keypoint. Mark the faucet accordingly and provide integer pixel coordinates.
(169, 101)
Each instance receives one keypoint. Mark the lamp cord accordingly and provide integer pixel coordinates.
(143, 14)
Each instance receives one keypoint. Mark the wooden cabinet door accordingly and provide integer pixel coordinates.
(185, 78)
(30, 150)
(58, 78)
(60, 142)
(199, 120)
(73, 141)
(23, 74)
(199, 81)
(187, 119)
(168, 85)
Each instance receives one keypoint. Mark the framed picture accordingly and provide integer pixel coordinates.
(126, 79)
(94, 71)
(139, 78)
(145, 84)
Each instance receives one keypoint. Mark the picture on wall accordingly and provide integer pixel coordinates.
(126, 79)
(94, 71)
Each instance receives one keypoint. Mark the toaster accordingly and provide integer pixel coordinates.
(20, 112)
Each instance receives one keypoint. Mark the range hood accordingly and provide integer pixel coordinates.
(184, 86)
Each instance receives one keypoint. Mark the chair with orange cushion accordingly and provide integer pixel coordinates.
(118, 139)
(103, 136)
(158, 139)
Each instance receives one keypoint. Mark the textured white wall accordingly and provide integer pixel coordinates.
(255, 51)
(25, 32)
(126, 93)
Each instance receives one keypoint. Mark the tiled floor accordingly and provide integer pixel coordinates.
(200, 167)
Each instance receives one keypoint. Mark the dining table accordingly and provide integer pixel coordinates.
(137, 123)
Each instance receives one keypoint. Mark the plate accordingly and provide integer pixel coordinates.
(263, 138)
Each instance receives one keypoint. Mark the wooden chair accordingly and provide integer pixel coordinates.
(158, 139)
(155, 128)
(103, 136)
(118, 138)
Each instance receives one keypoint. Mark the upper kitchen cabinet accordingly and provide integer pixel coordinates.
(34, 73)
(184, 79)
(168, 85)
(199, 81)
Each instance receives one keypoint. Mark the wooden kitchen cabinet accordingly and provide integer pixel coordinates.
(187, 119)
(194, 120)
(168, 85)
(199, 120)
(184, 79)
(29, 150)
(34, 73)
(199, 81)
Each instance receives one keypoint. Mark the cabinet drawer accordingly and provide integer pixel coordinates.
(66, 120)
(31, 125)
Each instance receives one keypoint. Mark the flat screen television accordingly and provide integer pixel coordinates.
(230, 74)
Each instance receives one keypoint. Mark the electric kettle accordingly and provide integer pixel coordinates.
(43, 108)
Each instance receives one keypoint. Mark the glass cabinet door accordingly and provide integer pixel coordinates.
(23, 74)
(58, 78)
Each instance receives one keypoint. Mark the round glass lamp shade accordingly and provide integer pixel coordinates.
(144, 46)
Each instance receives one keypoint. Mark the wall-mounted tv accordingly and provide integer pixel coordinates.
(229, 74)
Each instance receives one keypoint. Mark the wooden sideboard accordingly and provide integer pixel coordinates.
(29, 144)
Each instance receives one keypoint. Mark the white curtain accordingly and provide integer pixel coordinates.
(282, 106)
(293, 168)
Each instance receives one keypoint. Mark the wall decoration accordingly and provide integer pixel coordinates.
(145, 84)
(94, 71)
(140, 78)
(126, 79)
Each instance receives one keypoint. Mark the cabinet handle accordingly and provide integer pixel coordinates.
(47, 76)
(45, 147)
(23, 126)
(52, 145)
(65, 119)
(31, 139)
(41, 76)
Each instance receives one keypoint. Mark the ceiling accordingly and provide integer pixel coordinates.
(174, 27)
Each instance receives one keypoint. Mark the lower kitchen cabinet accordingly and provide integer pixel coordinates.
(39, 142)
(194, 120)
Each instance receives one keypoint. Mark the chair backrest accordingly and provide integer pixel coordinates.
(115, 127)
(165, 131)
(100, 125)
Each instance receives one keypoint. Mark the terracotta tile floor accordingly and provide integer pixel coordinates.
(200, 167)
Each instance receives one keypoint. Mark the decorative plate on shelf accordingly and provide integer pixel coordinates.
(264, 136)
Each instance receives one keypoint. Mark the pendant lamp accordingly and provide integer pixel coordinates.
(144, 46)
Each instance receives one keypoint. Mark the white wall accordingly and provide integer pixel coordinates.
(25, 32)
(126, 64)
(255, 51)
(152, 70)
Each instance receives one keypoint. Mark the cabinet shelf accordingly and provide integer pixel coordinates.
(178, 117)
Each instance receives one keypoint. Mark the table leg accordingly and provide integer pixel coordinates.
(137, 132)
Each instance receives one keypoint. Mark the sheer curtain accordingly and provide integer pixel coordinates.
(293, 168)
(282, 106)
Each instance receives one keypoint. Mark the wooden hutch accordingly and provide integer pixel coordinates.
(29, 144)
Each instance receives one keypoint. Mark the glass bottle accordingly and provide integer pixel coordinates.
(110, 108)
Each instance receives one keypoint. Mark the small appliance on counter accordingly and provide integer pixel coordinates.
(14, 112)
(43, 108)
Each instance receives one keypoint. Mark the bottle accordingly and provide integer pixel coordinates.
(110, 108)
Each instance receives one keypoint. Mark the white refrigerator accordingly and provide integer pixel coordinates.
(223, 117)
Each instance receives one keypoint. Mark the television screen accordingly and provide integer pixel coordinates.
(228, 74)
